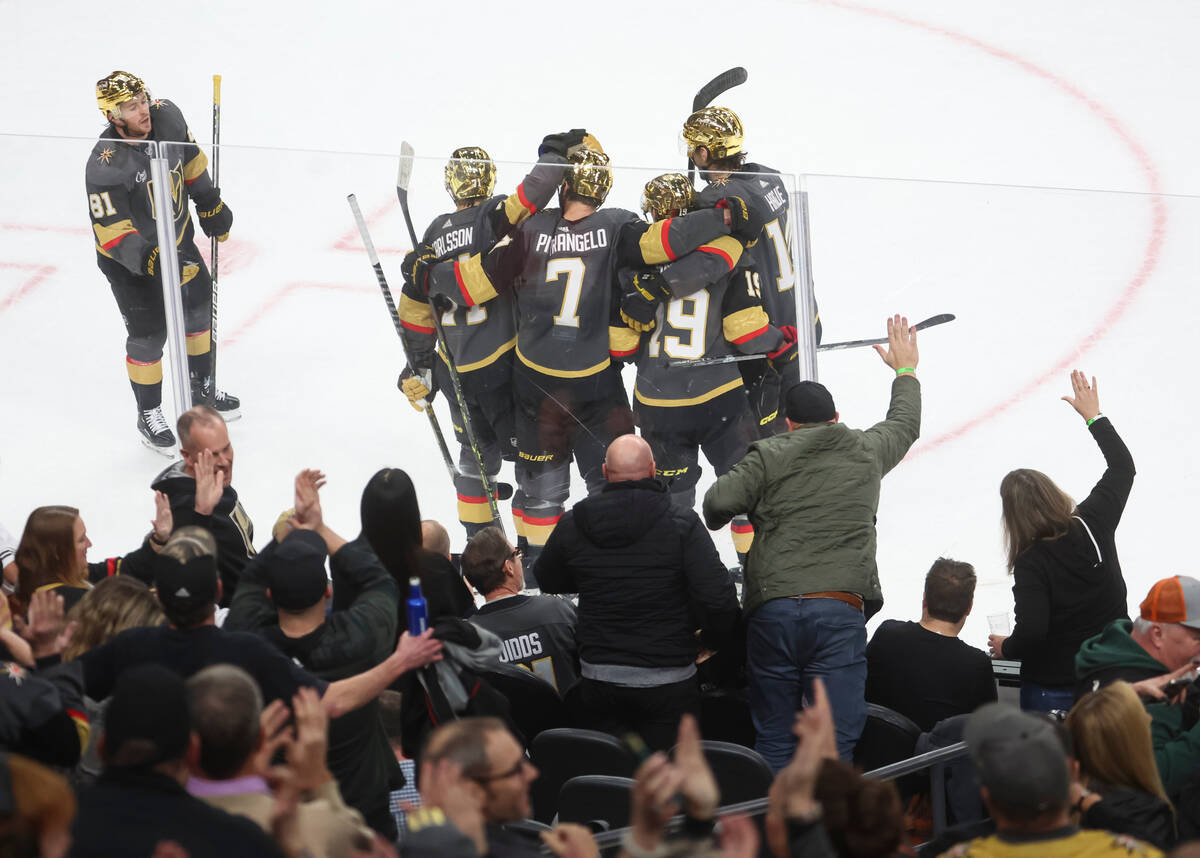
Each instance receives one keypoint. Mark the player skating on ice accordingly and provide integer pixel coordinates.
(123, 223)
(683, 409)
(480, 337)
(715, 142)
(561, 267)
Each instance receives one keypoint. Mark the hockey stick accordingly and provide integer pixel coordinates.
(824, 347)
(726, 80)
(403, 176)
(216, 179)
(391, 305)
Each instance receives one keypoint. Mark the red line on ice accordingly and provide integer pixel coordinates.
(351, 241)
(1158, 211)
(40, 273)
(280, 295)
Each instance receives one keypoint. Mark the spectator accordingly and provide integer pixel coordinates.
(284, 595)
(647, 575)
(390, 709)
(201, 493)
(229, 763)
(8, 562)
(391, 526)
(536, 632)
(52, 554)
(42, 714)
(1025, 783)
(187, 584)
(435, 538)
(35, 818)
(1067, 580)
(1118, 788)
(1164, 639)
(922, 670)
(140, 800)
(811, 579)
(112, 606)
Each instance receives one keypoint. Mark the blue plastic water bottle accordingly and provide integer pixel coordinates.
(418, 610)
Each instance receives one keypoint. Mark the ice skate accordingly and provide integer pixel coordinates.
(226, 404)
(155, 432)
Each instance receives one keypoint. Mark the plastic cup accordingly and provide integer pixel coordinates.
(998, 624)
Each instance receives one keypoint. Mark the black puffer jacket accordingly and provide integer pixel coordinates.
(647, 574)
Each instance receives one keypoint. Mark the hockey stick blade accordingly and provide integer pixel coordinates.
(403, 176)
(940, 319)
(724, 81)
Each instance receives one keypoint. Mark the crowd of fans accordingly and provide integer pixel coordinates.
(207, 694)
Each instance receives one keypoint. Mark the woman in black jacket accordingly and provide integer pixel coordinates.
(1118, 788)
(1067, 581)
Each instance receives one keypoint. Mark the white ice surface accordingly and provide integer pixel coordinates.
(937, 94)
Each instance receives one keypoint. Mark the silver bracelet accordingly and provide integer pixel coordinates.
(637, 851)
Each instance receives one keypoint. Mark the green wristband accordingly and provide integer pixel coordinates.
(904, 369)
(1094, 419)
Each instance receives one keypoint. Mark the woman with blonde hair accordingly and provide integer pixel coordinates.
(1118, 788)
(1067, 582)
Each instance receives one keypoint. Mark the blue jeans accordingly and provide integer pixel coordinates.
(1043, 698)
(790, 641)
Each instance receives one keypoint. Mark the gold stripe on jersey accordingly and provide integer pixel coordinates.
(416, 315)
(474, 510)
(695, 400)
(108, 237)
(564, 373)
(473, 282)
(517, 207)
(199, 343)
(195, 168)
(656, 249)
(745, 325)
(141, 372)
(726, 246)
(480, 364)
(743, 536)
(622, 341)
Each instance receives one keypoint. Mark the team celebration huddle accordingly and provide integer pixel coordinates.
(603, 682)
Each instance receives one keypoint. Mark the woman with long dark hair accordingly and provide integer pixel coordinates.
(391, 524)
(1067, 581)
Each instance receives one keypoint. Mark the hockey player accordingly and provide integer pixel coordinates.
(122, 209)
(715, 138)
(480, 338)
(561, 268)
(682, 409)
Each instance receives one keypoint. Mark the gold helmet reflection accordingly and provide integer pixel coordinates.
(117, 87)
(589, 175)
(470, 174)
(668, 195)
(717, 129)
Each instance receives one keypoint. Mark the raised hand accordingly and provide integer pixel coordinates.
(1086, 400)
(276, 733)
(902, 344)
(443, 786)
(209, 483)
(418, 651)
(571, 840)
(46, 625)
(164, 521)
(655, 785)
(306, 753)
(700, 793)
(307, 499)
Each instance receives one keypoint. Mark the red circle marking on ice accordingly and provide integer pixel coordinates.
(1158, 210)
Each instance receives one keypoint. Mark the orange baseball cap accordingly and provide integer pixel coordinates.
(1173, 600)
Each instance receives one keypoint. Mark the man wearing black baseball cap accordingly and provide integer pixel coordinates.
(811, 579)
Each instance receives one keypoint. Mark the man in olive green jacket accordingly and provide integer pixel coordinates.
(811, 579)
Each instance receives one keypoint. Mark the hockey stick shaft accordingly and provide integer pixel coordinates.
(824, 347)
(726, 80)
(213, 243)
(403, 176)
(361, 222)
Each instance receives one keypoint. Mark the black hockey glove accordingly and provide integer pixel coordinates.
(640, 302)
(416, 265)
(787, 350)
(743, 224)
(215, 219)
(563, 143)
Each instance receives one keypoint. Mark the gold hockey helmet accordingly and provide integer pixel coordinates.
(470, 174)
(717, 129)
(589, 175)
(117, 87)
(668, 195)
